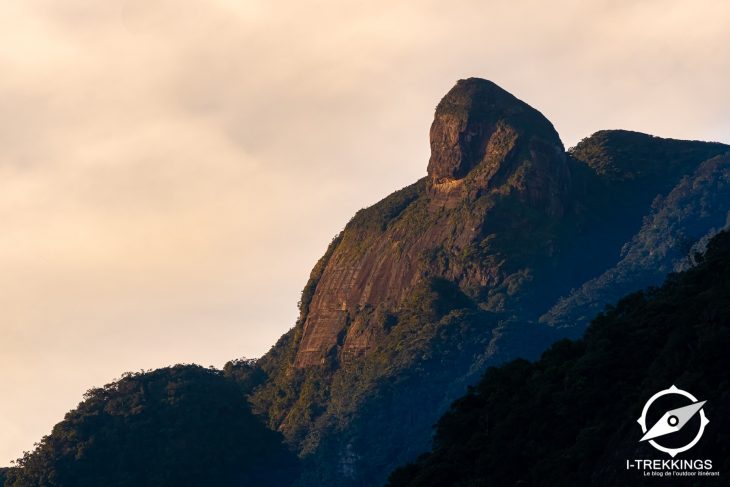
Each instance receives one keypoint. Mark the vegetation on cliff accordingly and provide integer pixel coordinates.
(505, 225)
(570, 417)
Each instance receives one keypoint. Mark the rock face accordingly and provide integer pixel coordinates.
(474, 114)
(508, 244)
(484, 142)
(479, 126)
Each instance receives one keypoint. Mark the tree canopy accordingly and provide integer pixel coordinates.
(179, 426)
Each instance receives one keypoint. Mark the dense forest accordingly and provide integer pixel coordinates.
(570, 417)
(180, 426)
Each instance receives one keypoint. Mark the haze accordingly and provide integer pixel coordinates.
(170, 171)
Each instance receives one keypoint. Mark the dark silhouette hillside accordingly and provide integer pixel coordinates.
(175, 427)
(570, 417)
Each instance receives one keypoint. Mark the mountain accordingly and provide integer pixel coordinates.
(489, 150)
(507, 245)
(178, 426)
(678, 225)
(570, 417)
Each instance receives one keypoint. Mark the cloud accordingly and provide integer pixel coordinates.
(170, 170)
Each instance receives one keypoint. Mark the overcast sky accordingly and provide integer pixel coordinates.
(170, 170)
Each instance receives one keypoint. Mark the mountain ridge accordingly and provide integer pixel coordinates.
(569, 418)
(507, 244)
(502, 225)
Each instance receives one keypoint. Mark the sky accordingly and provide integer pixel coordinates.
(170, 170)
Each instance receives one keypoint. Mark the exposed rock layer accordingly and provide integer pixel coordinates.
(485, 145)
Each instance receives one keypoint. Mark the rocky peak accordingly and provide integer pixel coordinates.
(475, 119)
(485, 140)
(493, 156)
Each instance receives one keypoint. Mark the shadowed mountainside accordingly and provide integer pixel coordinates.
(678, 225)
(570, 417)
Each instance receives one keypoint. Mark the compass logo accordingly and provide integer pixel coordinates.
(673, 420)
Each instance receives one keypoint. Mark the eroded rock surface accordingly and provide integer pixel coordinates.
(486, 146)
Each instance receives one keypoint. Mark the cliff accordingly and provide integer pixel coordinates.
(570, 417)
(487, 148)
(489, 257)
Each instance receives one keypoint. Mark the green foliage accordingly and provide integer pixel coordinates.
(359, 405)
(368, 224)
(246, 373)
(387, 210)
(179, 426)
(570, 418)
(433, 300)
(622, 155)
(676, 228)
